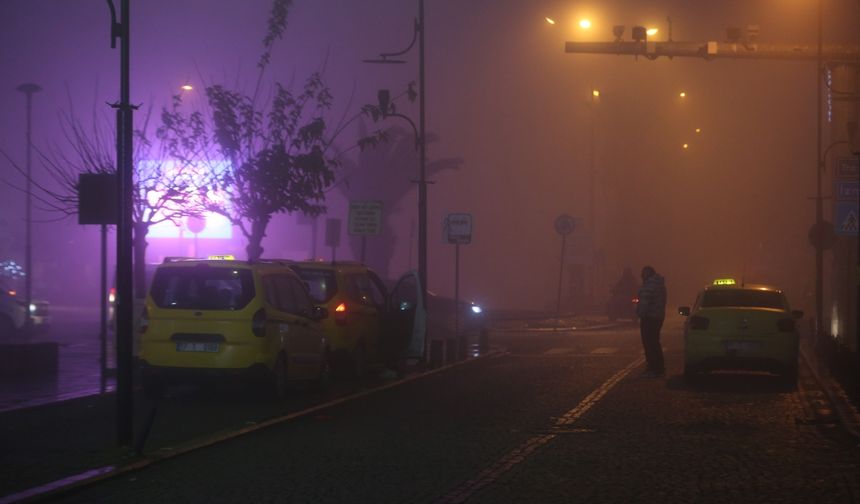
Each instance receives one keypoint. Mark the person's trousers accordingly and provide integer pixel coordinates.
(650, 330)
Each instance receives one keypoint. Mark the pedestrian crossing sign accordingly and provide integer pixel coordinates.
(846, 218)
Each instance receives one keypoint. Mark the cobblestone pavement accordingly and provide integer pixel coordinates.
(563, 417)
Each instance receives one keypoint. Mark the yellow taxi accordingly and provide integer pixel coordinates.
(356, 298)
(213, 317)
(740, 326)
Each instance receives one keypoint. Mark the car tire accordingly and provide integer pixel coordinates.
(789, 378)
(7, 327)
(324, 378)
(153, 386)
(359, 361)
(279, 377)
(691, 375)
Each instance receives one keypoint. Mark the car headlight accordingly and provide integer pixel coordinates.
(476, 309)
(32, 308)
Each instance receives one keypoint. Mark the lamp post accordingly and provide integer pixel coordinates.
(420, 136)
(819, 205)
(29, 89)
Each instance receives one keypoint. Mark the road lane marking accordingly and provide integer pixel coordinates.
(604, 350)
(557, 351)
(463, 492)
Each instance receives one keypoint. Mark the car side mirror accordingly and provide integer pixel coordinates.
(797, 314)
(320, 313)
(684, 310)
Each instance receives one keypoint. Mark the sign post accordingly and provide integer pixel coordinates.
(332, 236)
(365, 218)
(564, 225)
(458, 230)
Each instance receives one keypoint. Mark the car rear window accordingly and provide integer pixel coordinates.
(202, 288)
(742, 298)
(321, 283)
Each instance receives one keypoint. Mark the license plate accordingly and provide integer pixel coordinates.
(742, 346)
(188, 346)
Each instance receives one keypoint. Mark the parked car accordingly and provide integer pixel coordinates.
(231, 319)
(13, 313)
(746, 326)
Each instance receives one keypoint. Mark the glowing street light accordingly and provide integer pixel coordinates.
(698, 130)
(187, 87)
(585, 24)
(651, 31)
(682, 94)
(595, 93)
(685, 146)
(550, 20)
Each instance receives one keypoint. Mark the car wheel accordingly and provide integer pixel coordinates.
(279, 377)
(153, 386)
(324, 377)
(790, 377)
(691, 375)
(7, 327)
(359, 361)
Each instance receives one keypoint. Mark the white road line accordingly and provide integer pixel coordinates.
(604, 350)
(557, 351)
(463, 492)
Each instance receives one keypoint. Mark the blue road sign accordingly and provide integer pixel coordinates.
(846, 218)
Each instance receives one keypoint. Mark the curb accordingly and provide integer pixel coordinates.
(848, 416)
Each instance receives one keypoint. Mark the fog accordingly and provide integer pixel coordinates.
(515, 134)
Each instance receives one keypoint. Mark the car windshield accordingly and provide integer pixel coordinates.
(746, 298)
(321, 283)
(202, 288)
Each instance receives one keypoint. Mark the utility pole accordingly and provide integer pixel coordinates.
(29, 89)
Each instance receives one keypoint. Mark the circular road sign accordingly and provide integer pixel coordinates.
(564, 224)
(822, 235)
(195, 224)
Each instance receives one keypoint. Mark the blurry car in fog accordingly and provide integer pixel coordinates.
(223, 318)
(740, 327)
(13, 313)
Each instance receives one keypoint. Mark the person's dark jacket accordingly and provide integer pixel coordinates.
(652, 298)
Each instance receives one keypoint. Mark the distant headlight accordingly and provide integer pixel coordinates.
(476, 309)
(33, 308)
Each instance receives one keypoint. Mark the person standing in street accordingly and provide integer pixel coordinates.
(652, 310)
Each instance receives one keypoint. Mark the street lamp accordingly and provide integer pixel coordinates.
(29, 89)
(417, 35)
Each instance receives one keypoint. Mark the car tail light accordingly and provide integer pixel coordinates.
(785, 325)
(144, 321)
(699, 323)
(258, 324)
(340, 314)
(635, 300)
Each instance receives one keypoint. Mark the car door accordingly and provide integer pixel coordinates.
(297, 335)
(407, 318)
(368, 308)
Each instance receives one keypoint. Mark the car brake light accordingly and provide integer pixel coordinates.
(785, 325)
(340, 314)
(258, 324)
(144, 321)
(635, 300)
(699, 323)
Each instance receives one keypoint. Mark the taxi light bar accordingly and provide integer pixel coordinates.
(724, 281)
(222, 257)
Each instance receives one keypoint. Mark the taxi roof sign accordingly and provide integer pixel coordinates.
(223, 257)
(724, 281)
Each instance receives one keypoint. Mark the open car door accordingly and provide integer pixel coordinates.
(408, 318)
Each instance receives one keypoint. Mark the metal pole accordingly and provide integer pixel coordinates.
(560, 278)
(124, 298)
(363, 247)
(591, 220)
(457, 297)
(422, 175)
(104, 316)
(819, 205)
(28, 89)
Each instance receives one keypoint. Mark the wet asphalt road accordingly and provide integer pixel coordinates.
(563, 417)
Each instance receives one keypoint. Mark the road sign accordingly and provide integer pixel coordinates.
(846, 218)
(846, 190)
(564, 224)
(365, 217)
(458, 228)
(847, 168)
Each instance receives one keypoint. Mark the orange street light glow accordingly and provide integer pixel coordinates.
(686, 146)
(682, 94)
(651, 32)
(550, 20)
(698, 130)
(585, 24)
(595, 93)
(187, 87)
